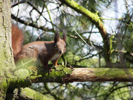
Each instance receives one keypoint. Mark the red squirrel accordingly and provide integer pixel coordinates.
(45, 51)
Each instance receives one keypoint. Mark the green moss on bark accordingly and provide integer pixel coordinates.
(27, 93)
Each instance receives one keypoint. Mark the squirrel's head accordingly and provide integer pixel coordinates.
(60, 44)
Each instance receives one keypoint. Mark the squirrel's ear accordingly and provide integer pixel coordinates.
(56, 38)
(64, 35)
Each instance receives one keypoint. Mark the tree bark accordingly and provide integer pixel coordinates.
(6, 56)
(99, 74)
(67, 75)
(29, 94)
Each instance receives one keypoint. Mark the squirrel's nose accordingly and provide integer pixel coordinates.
(61, 51)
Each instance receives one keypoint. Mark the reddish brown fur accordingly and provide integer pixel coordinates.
(17, 40)
(42, 50)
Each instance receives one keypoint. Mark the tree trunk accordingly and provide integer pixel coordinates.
(6, 56)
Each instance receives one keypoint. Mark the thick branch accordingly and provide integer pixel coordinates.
(27, 93)
(20, 77)
(99, 74)
(66, 75)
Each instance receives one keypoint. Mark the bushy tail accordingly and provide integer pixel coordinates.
(17, 39)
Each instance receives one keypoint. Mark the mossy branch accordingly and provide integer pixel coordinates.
(27, 93)
(100, 74)
(24, 76)
(65, 75)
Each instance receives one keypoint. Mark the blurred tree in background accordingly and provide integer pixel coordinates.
(102, 40)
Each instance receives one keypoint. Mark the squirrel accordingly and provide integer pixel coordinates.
(44, 51)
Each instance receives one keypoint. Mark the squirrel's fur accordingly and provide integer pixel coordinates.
(45, 51)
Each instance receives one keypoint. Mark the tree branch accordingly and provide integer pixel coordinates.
(27, 93)
(99, 74)
(23, 77)
(31, 24)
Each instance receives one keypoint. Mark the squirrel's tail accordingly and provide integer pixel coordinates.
(17, 39)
